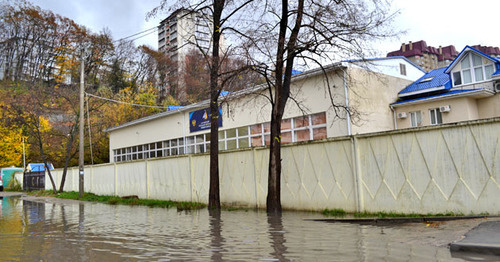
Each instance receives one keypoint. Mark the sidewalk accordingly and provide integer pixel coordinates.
(484, 239)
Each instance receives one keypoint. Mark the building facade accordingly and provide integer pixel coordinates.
(354, 100)
(427, 57)
(183, 31)
(467, 89)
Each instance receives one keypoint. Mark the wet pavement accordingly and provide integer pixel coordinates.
(48, 229)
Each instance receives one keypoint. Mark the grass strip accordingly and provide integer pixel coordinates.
(343, 213)
(116, 200)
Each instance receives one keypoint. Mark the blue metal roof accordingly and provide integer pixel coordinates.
(432, 80)
(438, 95)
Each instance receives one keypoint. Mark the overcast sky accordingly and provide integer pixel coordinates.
(438, 22)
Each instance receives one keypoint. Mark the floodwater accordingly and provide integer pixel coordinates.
(43, 230)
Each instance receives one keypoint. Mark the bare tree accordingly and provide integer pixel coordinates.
(305, 33)
(221, 14)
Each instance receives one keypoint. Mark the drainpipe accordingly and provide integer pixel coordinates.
(394, 116)
(346, 94)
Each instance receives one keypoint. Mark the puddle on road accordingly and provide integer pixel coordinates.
(38, 231)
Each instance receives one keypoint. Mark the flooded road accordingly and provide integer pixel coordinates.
(46, 230)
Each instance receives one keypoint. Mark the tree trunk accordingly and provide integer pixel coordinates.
(66, 162)
(214, 191)
(54, 189)
(273, 203)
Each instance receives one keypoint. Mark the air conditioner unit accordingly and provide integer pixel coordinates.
(444, 109)
(402, 115)
(497, 87)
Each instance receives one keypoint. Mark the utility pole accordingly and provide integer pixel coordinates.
(81, 135)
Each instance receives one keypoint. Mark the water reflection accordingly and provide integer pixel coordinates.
(35, 230)
(277, 235)
(216, 235)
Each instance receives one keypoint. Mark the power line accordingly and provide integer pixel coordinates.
(130, 36)
(122, 102)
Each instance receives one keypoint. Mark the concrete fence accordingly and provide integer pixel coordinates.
(445, 168)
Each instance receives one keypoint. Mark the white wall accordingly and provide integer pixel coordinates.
(432, 169)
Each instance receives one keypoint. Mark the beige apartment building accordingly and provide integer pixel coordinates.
(355, 100)
(468, 89)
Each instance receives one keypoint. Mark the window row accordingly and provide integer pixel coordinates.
(435, 114)
(303, 128)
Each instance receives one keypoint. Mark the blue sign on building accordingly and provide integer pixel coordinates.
(200, 119)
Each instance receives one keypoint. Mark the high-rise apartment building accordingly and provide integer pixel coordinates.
(429, 57)
(184, 31)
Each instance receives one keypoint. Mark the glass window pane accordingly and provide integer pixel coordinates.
(221, 135)
(166, 152)
(286, 137)
(134, 149)
(174, 151)
(467, 76)
(166, 144)
(433, 116)
(222, 146)
(439, 118)
(256, 129)
(243, 143)
(231, 133)
(152, 146)
(190, 140)
(158, 145)
(243, 131)
(319, 133)
(152, 154)
(181, 150)
(286, 124)
(257, 141)
(139, 155)
(302, 135)
(476, 60)
(200, 148)
(200, 139)
(173, 142)
(478, 73)
(190, 149)
(318, 119)
(267, 127)
(159, 153)
(488, 70)
(267, 140)
(457, 79)
(465, 62)
(301, 121)
(231, 144)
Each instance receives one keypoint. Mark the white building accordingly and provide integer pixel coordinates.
(367, 88)
(183, 31)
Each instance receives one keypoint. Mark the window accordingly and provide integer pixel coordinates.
(402, 69)
(416, 119)
(302, 128)
(473, 69)
(436, 117)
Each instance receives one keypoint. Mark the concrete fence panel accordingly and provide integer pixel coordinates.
(169, 179)
(131, 179)
(102, 179)
(432, 170)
